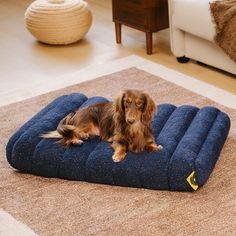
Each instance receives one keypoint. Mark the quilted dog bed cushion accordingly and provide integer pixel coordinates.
(192, 140)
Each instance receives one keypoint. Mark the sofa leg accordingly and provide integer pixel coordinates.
(182, 59)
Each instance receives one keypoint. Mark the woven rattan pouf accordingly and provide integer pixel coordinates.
(58, 21)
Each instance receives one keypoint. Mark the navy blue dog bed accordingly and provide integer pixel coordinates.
(192, 140)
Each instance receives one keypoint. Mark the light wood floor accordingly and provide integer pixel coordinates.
(24, 60)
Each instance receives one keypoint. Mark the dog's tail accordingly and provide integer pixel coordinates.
(51, 134)
(65, 129)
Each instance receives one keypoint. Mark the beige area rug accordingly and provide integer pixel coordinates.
(61, 207)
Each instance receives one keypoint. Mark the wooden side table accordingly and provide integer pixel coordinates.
(146, 15)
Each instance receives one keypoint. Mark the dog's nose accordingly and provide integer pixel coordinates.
(130, 120)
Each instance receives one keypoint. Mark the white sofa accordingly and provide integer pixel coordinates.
(192, 34)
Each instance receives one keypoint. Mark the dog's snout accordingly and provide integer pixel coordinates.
(130, 120)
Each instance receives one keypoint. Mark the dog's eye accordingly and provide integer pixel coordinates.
(128, 102)
(139, 105)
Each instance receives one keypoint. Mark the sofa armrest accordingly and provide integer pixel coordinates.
(177, 36)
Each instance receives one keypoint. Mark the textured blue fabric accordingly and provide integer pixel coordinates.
(192, 139)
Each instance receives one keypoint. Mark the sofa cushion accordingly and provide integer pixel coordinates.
(193, 16)
(192, 140)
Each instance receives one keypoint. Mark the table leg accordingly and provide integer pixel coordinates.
(149, 42)
(118, 32)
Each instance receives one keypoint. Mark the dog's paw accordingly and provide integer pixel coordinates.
(118, 157)
(76, 141)
(110, 140)
(154, 148)
(84, 136)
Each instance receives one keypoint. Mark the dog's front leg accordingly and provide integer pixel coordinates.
(152, 146)
(119, 152)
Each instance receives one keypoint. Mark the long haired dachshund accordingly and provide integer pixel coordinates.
(125, 123)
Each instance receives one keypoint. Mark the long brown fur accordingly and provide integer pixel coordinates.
(125, 123)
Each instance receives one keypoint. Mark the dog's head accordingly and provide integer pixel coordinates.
(135, 106)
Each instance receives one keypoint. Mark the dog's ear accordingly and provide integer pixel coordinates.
(119, 103)
(119, 115)
(149, 109)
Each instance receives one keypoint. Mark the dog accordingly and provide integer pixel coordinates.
(125, 123)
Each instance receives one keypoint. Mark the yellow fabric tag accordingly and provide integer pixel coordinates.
(192, 181)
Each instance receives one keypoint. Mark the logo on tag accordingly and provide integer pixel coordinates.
(192, 180)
